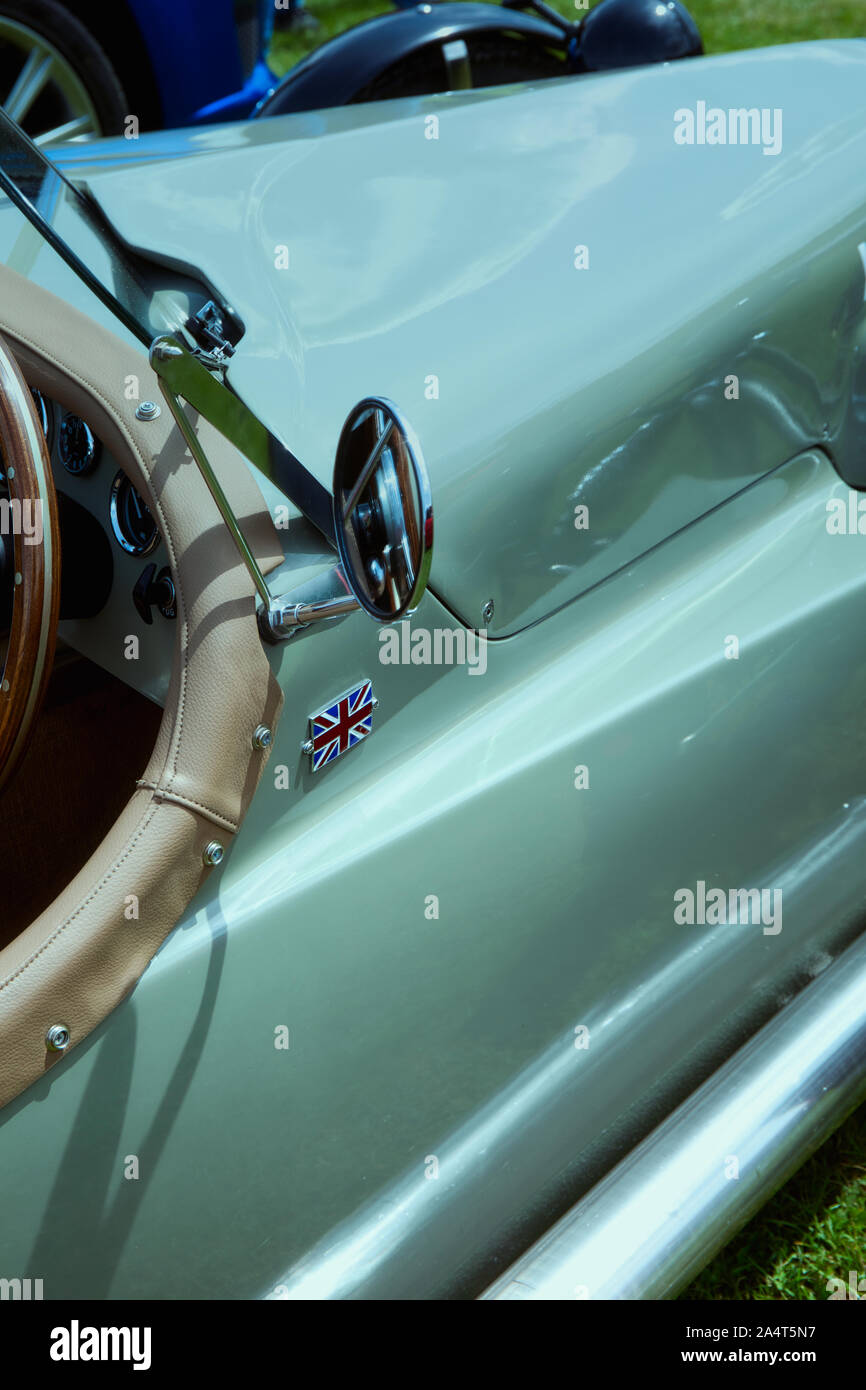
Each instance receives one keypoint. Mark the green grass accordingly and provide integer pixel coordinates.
(727, 25)
(815, 1227)
(812, 1230)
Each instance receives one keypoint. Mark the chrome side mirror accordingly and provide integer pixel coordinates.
(383, 511)
(383, 524)
(382, 514)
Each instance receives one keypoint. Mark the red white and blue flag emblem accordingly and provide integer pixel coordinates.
(339, 726)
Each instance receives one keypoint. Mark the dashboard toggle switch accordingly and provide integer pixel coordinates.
(157, 592)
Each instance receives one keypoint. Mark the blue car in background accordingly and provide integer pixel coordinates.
(72, 69)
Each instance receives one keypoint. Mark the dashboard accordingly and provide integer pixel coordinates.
(117, 604)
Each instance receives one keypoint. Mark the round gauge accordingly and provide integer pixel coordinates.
(76, 445)
(131, 521)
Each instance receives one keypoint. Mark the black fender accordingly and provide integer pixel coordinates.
(336, 73)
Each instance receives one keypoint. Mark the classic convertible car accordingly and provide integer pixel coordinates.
(433, 48)
(371, 897)
(76, 69)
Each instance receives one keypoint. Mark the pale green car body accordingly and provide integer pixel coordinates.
(467, 924)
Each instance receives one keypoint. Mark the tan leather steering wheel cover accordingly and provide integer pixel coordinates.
(35, 611)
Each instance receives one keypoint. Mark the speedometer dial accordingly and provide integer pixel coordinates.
(131, 520)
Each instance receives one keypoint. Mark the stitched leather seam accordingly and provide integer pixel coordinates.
(169, 541)
(177, 733)
(167, 536)
(130, 846)
(166, 794)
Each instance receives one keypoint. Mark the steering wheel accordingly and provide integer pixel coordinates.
(29, 563)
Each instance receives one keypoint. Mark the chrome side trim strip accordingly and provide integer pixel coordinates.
(652, 1224)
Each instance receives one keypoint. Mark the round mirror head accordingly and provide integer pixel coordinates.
(383, 513)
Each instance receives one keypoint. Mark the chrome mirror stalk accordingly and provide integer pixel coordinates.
(283, 617)
(191, 439)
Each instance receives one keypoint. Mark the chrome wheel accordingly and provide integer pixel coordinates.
(43, 92)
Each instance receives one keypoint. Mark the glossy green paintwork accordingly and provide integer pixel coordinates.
(454, 258)
(413, 1037)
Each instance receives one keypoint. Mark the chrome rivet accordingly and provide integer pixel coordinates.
(57, 1038)
(148, 410)
(307, 746)
(487, 610)
(213, 854)
(262, 738)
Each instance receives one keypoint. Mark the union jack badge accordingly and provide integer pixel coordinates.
(338, 726)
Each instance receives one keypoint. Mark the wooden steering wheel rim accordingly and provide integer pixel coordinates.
(36, 605)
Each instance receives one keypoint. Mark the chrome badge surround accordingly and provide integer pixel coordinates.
(339, 725)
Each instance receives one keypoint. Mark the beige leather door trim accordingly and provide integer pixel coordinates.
(78, 960)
